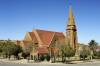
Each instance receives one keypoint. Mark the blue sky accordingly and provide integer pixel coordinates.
(20, 16)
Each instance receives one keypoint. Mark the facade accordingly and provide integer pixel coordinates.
(46, 42)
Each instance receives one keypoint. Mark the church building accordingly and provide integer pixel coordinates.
(49, 42)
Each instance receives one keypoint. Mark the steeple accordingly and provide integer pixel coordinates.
(71, 31)
(70, 17)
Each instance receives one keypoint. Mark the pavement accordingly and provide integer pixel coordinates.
(6, 64)
(24, 61)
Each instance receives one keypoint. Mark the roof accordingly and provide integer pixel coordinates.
(43, 38)
(60, 37)
(47, 36)
(33, 37)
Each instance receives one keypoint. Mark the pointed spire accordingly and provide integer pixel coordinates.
(71, 31)
(70, 17)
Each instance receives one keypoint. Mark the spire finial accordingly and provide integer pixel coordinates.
(70, 17)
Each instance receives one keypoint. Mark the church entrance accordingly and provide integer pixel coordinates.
(44, 57)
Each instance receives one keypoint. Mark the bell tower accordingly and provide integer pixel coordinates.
(71, 31)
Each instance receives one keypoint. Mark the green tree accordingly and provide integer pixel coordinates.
(17, 50)
(7, 48)
(52, 52)
(30, 48)
(97, 54)
(1, 45)
(92, 45)
(27, 51)
(67, 51)
(10, 48)
(84, 53)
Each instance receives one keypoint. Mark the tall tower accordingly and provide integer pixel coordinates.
(71, 31)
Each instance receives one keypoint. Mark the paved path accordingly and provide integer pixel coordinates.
(94, 64)
(5, 62)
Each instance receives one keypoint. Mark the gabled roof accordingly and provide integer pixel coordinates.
(60, 36)
(47, 36)
(43, 38)
(33, 37)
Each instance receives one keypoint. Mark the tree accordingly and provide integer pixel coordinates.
(0, 49)
(1, 44)
(9, 48)
(27, 51)
(84, 53)
(67, 51)
(97, 54)
(30, 48)
(17, 50)
(52, 51)
(92, 45)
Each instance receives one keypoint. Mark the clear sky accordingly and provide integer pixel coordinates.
(20, 16)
